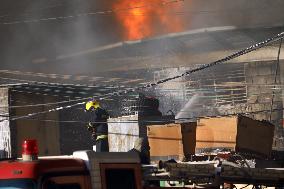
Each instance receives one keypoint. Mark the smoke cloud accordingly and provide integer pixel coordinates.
(36, 46)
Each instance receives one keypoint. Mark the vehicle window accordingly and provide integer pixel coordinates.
(17, 184)
(120, 178)
(64, 182)
(69, 186)
(52, 185)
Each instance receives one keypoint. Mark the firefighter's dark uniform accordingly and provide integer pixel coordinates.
(99, 128)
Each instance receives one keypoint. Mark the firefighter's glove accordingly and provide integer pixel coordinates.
(94, 136)
(90, 126)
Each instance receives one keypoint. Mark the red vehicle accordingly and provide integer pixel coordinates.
(123, 170)
(85, 169)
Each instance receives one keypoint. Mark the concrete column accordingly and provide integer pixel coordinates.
(281, 132)
(5, 133)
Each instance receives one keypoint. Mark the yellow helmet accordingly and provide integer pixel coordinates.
(90, 104)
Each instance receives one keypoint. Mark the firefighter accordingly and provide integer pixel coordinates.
(98, 125)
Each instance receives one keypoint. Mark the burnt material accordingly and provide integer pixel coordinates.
(254, 137)
(142, 105)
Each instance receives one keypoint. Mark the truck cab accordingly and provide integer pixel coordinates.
(54, 172)
(123, 170)
(82, 170)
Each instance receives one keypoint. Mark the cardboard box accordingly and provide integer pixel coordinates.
(171, 141)
(240, 133)
(255, 137)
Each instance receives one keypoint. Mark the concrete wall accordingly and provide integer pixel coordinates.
(128, 132)
(5, 140)
(122, 135)
(252, 87)
(53, 137)
(212, 91)
(41, 128)
(58, 133)
(265, 95)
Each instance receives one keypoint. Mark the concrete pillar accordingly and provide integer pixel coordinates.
(5, 133)
(281, 131)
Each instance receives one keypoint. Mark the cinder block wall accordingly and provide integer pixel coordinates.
(252, 89)
(54, 137)
(264, 95)
(44, 127)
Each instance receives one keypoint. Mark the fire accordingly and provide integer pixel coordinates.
(141, 19)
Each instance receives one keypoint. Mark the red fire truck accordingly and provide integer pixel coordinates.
(123, 170)
(85, 169)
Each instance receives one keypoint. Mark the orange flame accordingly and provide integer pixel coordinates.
(145, 19)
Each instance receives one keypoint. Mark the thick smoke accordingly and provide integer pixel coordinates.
(38, 46)
(35, 46)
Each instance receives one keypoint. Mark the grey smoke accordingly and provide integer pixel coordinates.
(35, 46)
(198, 105)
